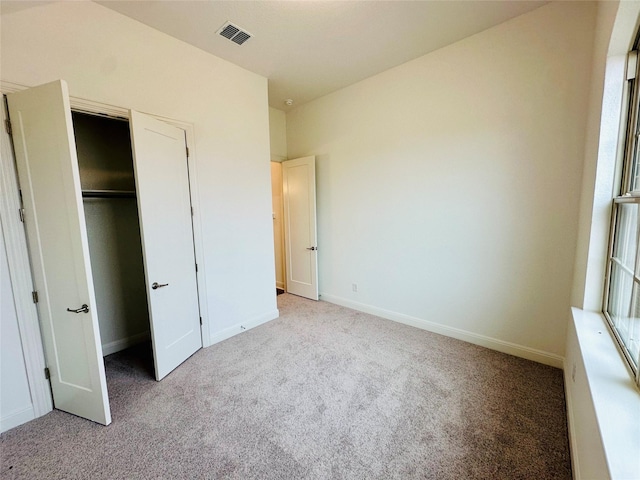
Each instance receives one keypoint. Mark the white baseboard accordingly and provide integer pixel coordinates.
(244, 326)
(118, 345)
(17, 417)
(470, 337)
(280, 285)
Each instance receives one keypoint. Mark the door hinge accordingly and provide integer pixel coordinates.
(187, 148)
(34, 295)
(7, 127)
(196, 267)
(21, 213)
(200, 320)
(47, 373)
(192, 211)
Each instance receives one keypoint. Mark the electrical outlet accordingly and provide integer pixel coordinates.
(354, 287)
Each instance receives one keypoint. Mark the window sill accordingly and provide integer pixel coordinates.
(615, 396)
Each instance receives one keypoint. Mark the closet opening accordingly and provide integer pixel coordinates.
(105, 162)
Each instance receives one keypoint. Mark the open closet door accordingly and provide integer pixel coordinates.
(301, 248)
(57, 236)
(164, 208)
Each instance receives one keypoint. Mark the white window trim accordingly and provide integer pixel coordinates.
(613, 403)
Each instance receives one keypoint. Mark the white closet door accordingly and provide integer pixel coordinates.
(299, 193)
(164, 208)
(50, 185)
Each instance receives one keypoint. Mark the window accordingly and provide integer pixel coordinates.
(622, 300)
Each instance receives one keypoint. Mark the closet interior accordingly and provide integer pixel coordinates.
(109, 197)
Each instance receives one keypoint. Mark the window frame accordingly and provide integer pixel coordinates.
(628, 165)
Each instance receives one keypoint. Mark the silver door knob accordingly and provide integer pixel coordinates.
(157, 285)
(83, 309)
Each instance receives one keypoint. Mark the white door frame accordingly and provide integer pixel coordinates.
(22, 288)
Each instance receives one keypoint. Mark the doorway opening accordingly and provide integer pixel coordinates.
(295, 239)
(277, 207)
(107, 180)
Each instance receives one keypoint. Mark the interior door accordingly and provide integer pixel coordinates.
(299, 192)
(57, 237)
(164, 208)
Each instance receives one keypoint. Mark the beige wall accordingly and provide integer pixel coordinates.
(109, 58)
(448, 187)
(277, 134)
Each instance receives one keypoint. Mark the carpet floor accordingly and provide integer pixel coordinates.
(323, 392)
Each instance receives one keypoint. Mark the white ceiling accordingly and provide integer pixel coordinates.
(309, 48)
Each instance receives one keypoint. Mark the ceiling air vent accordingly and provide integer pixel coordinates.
(234, 33)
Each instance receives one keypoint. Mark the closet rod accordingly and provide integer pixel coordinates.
(108, 194)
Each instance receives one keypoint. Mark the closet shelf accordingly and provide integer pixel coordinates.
(108, 194)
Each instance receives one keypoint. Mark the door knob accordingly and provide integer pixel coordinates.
(312, 248)
(83, 309)
(157, 285)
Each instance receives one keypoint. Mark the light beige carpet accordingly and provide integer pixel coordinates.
(323, 392)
